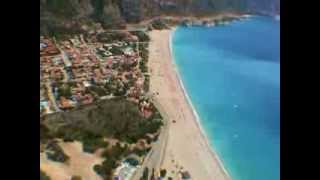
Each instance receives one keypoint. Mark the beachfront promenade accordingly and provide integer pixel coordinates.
(155, 157)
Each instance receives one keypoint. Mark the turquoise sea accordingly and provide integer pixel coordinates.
(232, 76)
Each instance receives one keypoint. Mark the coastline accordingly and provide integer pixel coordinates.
(195, 113)
(187, 144)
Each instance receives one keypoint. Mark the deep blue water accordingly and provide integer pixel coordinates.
(232, 75)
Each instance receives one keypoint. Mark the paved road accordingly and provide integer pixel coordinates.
(51, 96)
(155, 157)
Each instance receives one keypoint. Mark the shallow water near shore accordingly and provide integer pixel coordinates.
(232, 76)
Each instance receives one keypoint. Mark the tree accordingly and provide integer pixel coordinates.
(116, 51)
(98, 90)
(145, 174)
(64, 91)
(76, 178)
(152, 175)
(44, 176)
(98, 169)
(111, 16)
(143, 37)
(56, 153)
(62, 7)
(163, 173)
(159, 24)
(91, 144)
(44, 133)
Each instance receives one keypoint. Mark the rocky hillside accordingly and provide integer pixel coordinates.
(67, 15)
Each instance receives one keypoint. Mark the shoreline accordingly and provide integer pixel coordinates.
(187, 147)
(192, 107)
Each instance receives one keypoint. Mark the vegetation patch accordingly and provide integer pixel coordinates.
(116, 51)
(76, 178)
(146, 85)
(110, 37)
(55, 153)
(61, 7)
(145, 174)
(115, 118)
(142, 36)
(43, 175)
(141, 152)
(99, 91)
(144, 58)
(159, 24)
(112, 160)
(163, 173)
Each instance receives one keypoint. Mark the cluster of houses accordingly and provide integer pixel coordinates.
(51, 69)
(76, 72)
(47, 47)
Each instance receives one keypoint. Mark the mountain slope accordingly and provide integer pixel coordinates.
(62, 15)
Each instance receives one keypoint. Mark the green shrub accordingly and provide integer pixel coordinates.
(44, 133)
(98, 8)
(62, 8)
(159, 24)
(76, 178)
(116, 51)
(43, 175)
(109, 37)
(56, 153)
(141, 152)
(98, 90)
(105, 169)
(65, 91)
(163, 173)
(98, 168)
(91, 145)
(142, 36)
(145, 174)
(117, 151)
(146, 84)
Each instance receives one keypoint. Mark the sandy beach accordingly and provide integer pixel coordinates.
(187, 147)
